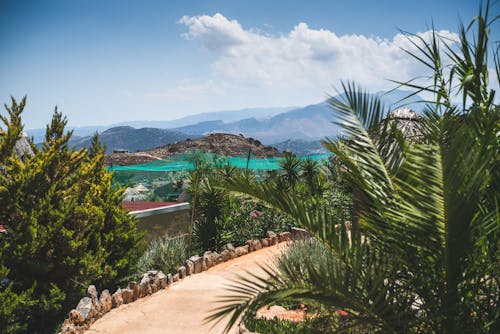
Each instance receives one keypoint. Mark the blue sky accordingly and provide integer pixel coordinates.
(104, 62)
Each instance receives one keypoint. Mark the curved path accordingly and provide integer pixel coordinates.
(182, 307)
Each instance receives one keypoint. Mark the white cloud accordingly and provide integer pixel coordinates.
(304, 57)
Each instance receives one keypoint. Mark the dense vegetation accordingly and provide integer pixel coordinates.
(423, 254)
(66, 227)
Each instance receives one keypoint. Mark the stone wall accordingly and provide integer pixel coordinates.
(94, 306)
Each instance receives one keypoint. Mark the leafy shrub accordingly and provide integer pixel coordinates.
(163, 253)
(251, 220)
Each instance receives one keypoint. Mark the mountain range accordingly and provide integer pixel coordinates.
(293, 129)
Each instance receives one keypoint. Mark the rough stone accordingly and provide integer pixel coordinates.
(232, 250)
(145, 289)
(92, 292)
(181, 272)
(116, 298)
(242, 250)
(249, 243)
(76, 317)
(169, 279)
(264, 242)
(135, 288)
(273, 240)
(85, 308)
(285, 236)
(105, 301)
(271, 234)
(257, 245)
(225, 255)
(154, 287)
(197, 263)
(175, 278)
(214, 256)
(127, 296)
(189, 267)
(69, 328)
(162, 279)
(207, 261)
(299, 233)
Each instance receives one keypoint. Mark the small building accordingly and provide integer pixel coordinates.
(159, 218)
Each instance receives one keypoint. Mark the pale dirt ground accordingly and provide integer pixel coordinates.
(182, 307)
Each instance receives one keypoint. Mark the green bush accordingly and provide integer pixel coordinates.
(250, 220)
(66, 227)
(163, 253)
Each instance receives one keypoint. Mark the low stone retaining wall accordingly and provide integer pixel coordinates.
(93, 307)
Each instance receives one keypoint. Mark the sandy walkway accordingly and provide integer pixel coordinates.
(182, 307)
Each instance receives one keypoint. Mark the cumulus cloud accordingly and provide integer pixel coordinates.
(304, 57)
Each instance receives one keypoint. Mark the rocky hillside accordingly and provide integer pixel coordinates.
(131, 139)
(219, 143)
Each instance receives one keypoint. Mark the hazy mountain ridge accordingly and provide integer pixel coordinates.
(301, 147)
(309, 123)
(269, 125)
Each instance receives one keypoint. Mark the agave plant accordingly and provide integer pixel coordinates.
(426, 255)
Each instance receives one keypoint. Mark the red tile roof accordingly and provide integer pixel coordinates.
(139, 205)
(2, 229)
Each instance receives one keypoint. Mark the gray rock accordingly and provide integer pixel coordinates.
(189, 267)
(127, 296)
(162, 280)
(116, 298)
(145, 289)
(154, 287)
(85, 308)
(207, 261)
(175, 278)
(197, 262)
(169, 279)
(135, 288)
(181, 272)
(92, 292)
(105, 301)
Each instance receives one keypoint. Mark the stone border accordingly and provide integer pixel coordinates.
(93, 307)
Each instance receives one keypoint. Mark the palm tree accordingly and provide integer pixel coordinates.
(310, 174)
(426, 258)
(291, 167)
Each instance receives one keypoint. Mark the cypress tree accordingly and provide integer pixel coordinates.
(66, 227)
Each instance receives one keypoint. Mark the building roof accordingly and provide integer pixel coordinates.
(142, 205)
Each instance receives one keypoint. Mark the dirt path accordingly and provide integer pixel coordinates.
(182, 307)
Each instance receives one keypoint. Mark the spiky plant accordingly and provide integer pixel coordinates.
(426, 256)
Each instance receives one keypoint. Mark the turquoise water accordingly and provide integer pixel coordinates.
(185, 164)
